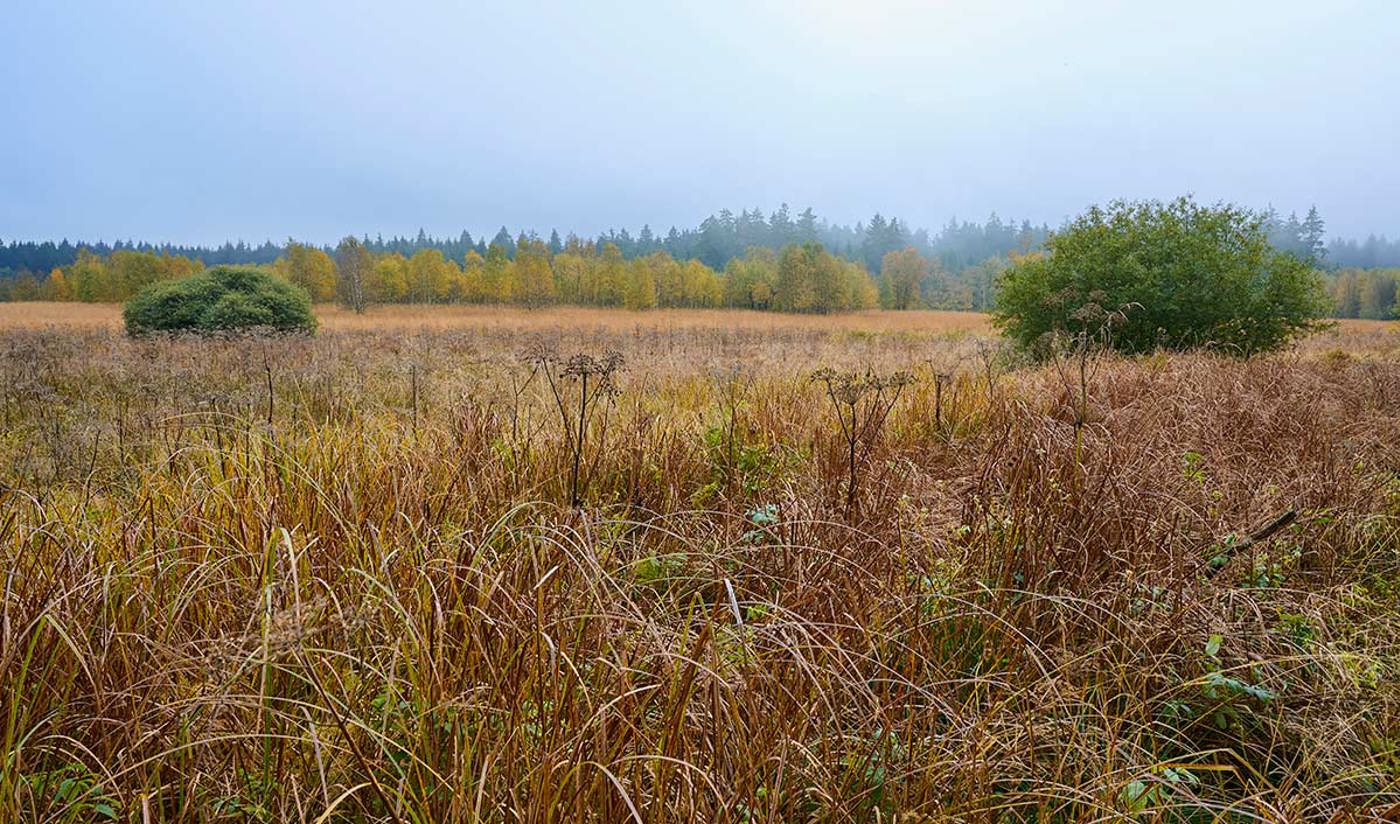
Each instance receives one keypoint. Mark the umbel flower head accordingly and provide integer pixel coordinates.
(602, 369)
(849, 387)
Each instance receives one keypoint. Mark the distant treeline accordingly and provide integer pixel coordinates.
(780, 261)
(717, 240)
(797, 278)
(1365, 293)
(725, 236)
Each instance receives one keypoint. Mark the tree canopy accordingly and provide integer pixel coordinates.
(1176, 275)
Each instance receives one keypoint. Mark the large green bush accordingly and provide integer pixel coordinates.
(1181, 274)
(221, 299)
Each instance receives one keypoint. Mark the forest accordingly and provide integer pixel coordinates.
(782, 261)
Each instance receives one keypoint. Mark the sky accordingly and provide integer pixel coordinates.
(168, 120)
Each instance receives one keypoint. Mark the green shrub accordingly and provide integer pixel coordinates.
(221, 299)
(1182, 275)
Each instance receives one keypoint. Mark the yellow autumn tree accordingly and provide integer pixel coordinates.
(700, 286)
(640, 289)
(89, 278)
(749, 281)
(607, 277)
(534, 279)
(58, 287)
(310, 268)
(473, 283)
(497, 274)
(901, 274)
(429, 276)
(858, 288)
(389, 283)
(569, 269)
(130, 272)
(666, 274)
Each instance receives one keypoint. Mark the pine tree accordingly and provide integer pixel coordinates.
(503, 239)
(1312, 234)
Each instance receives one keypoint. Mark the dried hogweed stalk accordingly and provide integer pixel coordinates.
(862, 401)
(582, 386)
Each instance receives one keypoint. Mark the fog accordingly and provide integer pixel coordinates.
(204, 122)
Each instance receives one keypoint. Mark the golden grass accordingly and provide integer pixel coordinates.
(1355, 335)
(41, 314)
(37, 315)
(339, 578)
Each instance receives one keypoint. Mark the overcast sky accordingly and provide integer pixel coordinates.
(200, 121)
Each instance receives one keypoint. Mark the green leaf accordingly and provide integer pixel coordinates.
(1237, 686)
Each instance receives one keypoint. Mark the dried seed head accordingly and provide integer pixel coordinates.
(849, 387)
(539, 353)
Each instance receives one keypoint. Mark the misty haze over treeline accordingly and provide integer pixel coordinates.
(724, 236)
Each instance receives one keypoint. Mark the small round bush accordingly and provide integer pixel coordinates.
(222, 299)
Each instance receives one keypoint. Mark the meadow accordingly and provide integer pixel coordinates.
(500, 565)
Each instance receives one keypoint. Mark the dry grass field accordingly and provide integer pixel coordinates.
(343, 579)
(417, 318)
